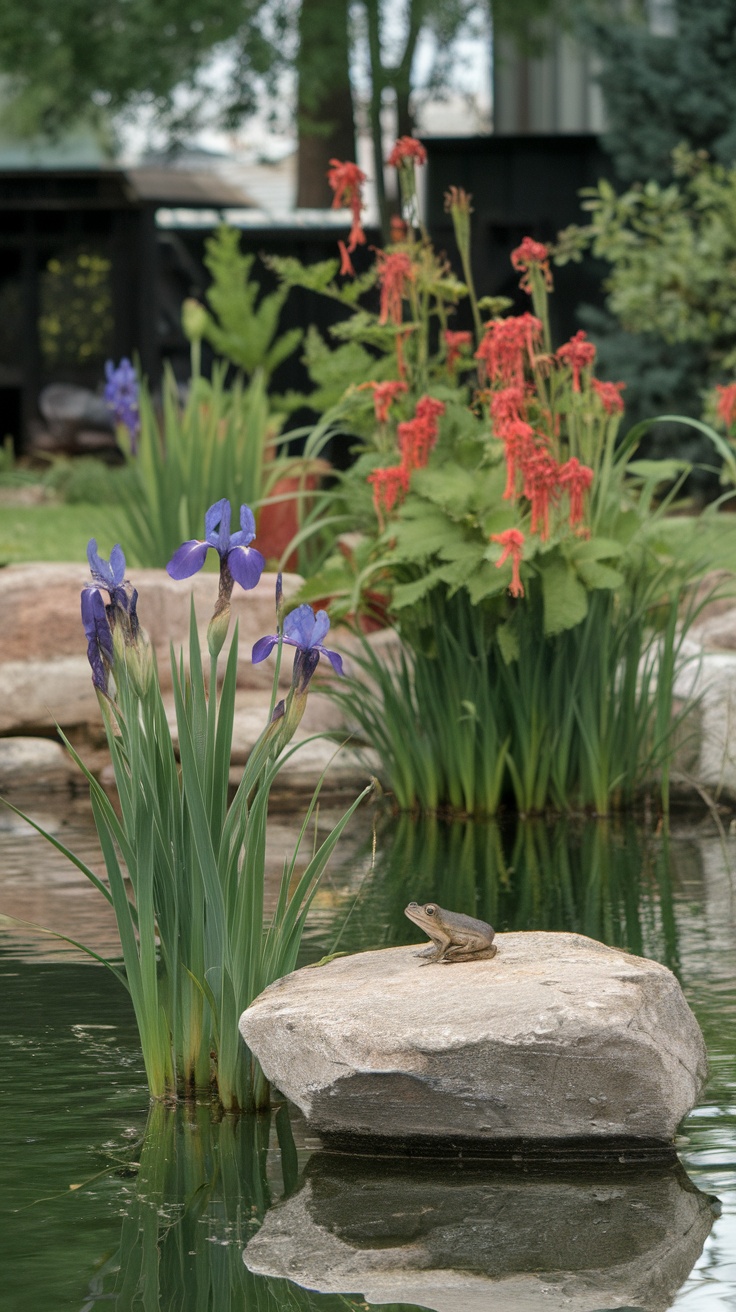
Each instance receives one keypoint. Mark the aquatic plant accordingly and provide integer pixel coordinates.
(186, 866)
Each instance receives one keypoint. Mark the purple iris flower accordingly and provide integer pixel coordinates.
(121, 394)
(305, 631)
(245, 563)
(98, 618)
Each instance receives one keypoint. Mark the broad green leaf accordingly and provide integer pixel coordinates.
(595, 575)
(406, 594)
(595, 549)
(565, 598)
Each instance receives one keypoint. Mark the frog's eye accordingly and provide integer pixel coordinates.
(430, 908)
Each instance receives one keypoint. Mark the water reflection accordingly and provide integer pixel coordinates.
(609, 880)
(201, 1232)
(449, 1238)
(203, 1187)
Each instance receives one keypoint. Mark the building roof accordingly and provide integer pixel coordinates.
(175, 186)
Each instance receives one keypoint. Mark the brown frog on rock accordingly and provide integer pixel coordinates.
(454, 937)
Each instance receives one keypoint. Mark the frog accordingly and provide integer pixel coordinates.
(455, 937)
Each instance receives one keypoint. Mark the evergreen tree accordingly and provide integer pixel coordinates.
(668, 76)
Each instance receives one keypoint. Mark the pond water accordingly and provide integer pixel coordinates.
(105, 1206)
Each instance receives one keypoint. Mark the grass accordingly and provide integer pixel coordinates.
(50, 531)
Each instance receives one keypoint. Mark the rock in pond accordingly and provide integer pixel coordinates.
(558, 1040)
(486, 1241)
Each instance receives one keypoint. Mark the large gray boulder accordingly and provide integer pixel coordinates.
(556, 1039)
(485, 1241)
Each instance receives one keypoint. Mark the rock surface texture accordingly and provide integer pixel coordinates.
(558, 1038)
(45, 677)
(485, 1241)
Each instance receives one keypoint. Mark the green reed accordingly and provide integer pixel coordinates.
(582, 720)
(220, 436)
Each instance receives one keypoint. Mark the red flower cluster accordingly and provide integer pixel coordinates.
(576, 479)
(453, 342)
(531, 254)
(395, 272)
(726, 405)
(508, 344)
(531, 470)
(512, 541)
(384, 394)
(407, 148)
(346, 180)
(578, 353)
(389, 486)
(417, 437)
(610, 396)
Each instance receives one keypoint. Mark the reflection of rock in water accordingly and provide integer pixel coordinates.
(446, 1238)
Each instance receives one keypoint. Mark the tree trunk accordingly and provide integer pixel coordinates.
(324, 101)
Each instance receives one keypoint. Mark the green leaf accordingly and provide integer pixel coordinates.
(565, 598)
(406, 594)
(487, 581)
(508, 641)
(595, 575)
(663, 471)
(596, 549)
(420, 529)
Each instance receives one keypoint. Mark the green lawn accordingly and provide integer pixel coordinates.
(53, 532)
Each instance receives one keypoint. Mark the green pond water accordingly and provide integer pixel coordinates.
(104, 1205)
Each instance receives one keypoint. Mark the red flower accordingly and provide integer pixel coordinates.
(508, 403)
(346, 180)
(395, 272)
(519, 448)
(430, 409)
(610, 396)
(507, 344)
(417, 436)
(384, 394)
(512, 541)
(579, 354)
(531, 254)
(726, 406)
(577, 479)
(541, 488)
(453, 342)
(389, 487)
(407, 148)
(346, 264)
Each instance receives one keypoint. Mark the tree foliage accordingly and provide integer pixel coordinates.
(664, 86)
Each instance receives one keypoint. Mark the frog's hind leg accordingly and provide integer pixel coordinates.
(464, 953)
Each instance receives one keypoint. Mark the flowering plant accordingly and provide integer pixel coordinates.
(197, 946)
(493, 495)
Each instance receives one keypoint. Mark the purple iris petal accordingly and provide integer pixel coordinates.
(247, 530)
(299, 627)
(321, 627)
(334, 658)
(217, 526)
(106, 574)
(246, 565)
(263, 648)
(187, 559)
(98, 634)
